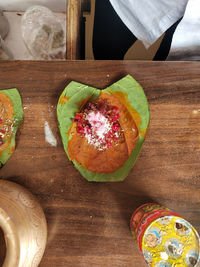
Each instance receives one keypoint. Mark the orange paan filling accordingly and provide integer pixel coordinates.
(103, 135)
(6, 121)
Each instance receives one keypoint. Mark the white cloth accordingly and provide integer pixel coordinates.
(186, 39)
(149, 19)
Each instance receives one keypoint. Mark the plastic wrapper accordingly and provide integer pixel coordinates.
(43, 34)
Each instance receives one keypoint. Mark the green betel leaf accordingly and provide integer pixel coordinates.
(16, 119)
(130, 93)
(135, 96)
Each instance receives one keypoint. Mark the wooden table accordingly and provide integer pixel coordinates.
(88, 223)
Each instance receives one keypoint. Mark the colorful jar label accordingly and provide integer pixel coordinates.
(143, 216)
(171, 240)
(165, 239)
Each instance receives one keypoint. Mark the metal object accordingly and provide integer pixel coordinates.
(23, 223)
(5, 53)
(4, 25)
(4, 29)
(164, 237)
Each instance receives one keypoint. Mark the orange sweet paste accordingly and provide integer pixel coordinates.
(112, 158)
(6, 120)
(63, 100)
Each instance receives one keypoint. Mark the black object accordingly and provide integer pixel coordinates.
(111, 37)
(165, 45)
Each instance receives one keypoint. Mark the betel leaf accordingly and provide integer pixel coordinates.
(132, 96)
(17, 117)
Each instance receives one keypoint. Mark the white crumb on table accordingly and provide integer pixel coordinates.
(49, 136)
(196, 111)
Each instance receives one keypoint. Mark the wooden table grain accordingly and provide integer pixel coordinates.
(88, 223)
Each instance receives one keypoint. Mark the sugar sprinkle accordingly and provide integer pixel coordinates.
(49, 137)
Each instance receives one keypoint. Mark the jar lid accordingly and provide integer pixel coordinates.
(171, 240)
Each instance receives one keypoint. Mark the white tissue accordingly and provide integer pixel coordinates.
(149, 19)
(186, 40)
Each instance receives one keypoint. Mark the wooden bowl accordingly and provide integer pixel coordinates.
(23, 223)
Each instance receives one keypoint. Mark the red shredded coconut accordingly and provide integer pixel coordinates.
(98, 123)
